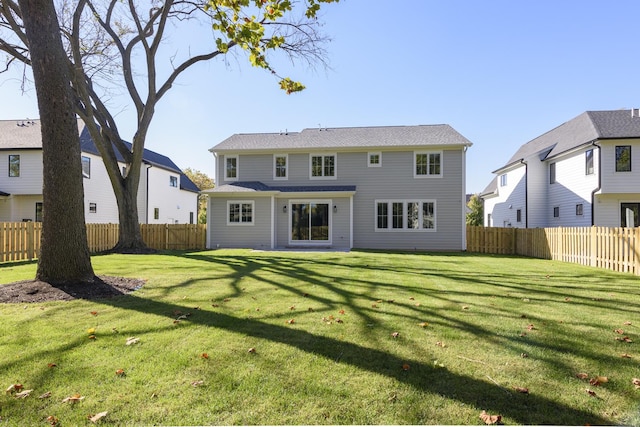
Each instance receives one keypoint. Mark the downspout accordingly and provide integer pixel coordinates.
(526, 193)
(146, 205)
(599, 187)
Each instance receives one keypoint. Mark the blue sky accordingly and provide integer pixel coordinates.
(500, 72)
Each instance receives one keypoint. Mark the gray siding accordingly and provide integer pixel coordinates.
(256, 236)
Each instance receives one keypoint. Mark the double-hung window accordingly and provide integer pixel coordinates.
(427, 164)
(240, 212)
(280, 166)
(322, 166)
(231, 168)
(173, 181)
(406, 215)
(14, 165)
(623, 158)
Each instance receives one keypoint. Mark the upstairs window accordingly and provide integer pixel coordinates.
(588, 162)
(280, 166)
(323, 166)
(427, 164)
(86, 167)
(552, 173)
(231, 168)
(503, 180)
(623, 158)
(556, 212)
(173, 181)
(14, 165)
(374, 160)
(579, 209)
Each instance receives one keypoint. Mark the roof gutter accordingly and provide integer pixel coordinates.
(599, 187)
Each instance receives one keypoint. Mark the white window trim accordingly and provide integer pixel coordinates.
(404, 228)
(374, 165)
(286, 159)
(427, 175)
(225, 158)
(310, 242)
(241, 202)
(335, 166)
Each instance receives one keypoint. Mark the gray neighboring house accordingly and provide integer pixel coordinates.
(395, 187)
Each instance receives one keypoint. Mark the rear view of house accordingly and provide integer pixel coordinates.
(397, 187)
(584, 172)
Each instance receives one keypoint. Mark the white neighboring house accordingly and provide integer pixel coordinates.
(584, 172)
(165, 194)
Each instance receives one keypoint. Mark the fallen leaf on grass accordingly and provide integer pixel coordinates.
(590, 392)
(598, 380)
(92, 337)
(490, 419)
(441, 344)
(341, 312)
(73, 399)
(423, 324)
(618, 331)
(395, 334)
(582, 375)
(465, 307)
(374, 305)
(91, 331)
(51, 365)
(120, 373)
(627, 323)
(293, 307)
(339, 321)
(204, 355)
(522, 390)
(94, 313)
(14, 387)
(626, 355)
(252, 350)
(624, 339)
(197, 383)
(530, 327)
(636, 382)
(406, 367)
(524, 355)
(23, 394)
(97, 417)
(132, 340)
(291, 321)
(52, 420)
(45, 395)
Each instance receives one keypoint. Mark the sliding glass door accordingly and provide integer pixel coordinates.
(309, 222)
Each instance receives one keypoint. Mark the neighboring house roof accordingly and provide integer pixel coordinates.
(26, 134)
(256, 186)
(581, 130)
(3, 194)
(491, 189)
(344, 138)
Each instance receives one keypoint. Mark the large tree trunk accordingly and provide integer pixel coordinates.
(129, 235)
(64, 255)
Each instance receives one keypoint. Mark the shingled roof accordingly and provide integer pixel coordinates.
(581, 130)
(344, 138)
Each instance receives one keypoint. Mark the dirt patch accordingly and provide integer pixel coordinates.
(38, 291)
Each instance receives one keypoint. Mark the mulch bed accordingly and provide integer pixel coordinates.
(37, 291)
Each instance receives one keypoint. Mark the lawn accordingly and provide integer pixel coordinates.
(243, 337)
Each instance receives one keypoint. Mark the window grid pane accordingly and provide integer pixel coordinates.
(623, 158)
(434, 164)
(397, 212)
(316, 166)
(413, 214)
(232, 167)
(14, 165)
(234, 212)
(383, 215)
(329, 168)
(281, 167)
(428, 219)
(421, 164)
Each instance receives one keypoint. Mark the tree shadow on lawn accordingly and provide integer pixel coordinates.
(524, 409)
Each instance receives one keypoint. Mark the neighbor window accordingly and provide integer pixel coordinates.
(427, 164)
(552, 173)
(519, 215)
(86, 167)
(556, 212)
(503, 180)
(623, 158)
(14, 165)
(231, 168)
(323, 166)
(375, 160)
(405, 215)
(588, 160)
(39, 211)
(190, 217)
(280, 166)
(632, 211)
(173, 181)
(93, 208)
(579, 209)
(240, 212)
(156, 213)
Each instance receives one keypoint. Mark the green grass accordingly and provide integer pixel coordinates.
(322, 371)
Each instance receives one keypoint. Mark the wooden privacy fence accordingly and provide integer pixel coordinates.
(20, 241)
(616, 249)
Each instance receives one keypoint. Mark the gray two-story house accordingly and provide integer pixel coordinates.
(396, 187)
